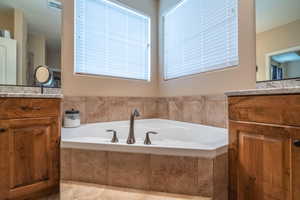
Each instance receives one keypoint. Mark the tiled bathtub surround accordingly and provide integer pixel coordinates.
(172, 174)
(206, 110)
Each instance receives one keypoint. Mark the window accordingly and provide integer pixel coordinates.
(199, 36)
(111, 40)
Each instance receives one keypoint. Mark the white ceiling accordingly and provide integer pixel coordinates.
(40, 18)
(274, 13)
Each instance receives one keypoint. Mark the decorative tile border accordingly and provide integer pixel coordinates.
(171, 174)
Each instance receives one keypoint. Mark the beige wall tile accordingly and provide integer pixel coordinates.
(206, 110)
(150, 108)
(174, 174)
(193, 110)
(128, 170)
(176, 109)
(97, 109)
(215, 111)
(65, 165)
(118, 108)
(162, 108)
(89, 166)
(135, 103)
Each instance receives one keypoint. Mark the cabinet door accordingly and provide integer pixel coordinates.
(296, 167)
(4, 158)
(31, 144)
(260, 161)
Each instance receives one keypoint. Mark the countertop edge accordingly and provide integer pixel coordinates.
(267, 91)
(30, 95)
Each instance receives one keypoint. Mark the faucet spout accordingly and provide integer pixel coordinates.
(131, 137)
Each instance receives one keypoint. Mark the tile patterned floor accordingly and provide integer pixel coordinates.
(86, 191)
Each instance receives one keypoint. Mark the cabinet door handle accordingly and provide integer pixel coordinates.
(30, 108)
(2, 130)
(297, 143)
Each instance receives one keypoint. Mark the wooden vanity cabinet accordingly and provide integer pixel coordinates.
(29, 147)
(264, 152)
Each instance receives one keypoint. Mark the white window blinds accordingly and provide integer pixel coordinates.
(111, 40)
(199, 36)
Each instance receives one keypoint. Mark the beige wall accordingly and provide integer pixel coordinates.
(7, 21)
(20, 34)
(293, 69)
(37, 46)
(100, 86)
(217, 82)
(274, 40)
(53, 58)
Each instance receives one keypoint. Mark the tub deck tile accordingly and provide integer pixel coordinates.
(128, 170)
(65, 165)
(89, 166)
(171, 174)
(221, 177)
(205, 176)
(174, 174)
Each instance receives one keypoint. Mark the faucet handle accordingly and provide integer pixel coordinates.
(115, 137)
(147, 139)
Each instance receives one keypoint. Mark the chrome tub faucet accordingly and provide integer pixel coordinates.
(131, 138)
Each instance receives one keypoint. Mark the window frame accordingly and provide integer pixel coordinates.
(129, 9)
(170, 10)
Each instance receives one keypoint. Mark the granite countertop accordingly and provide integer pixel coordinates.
(29, 92)
(31, 95)
(266, 91)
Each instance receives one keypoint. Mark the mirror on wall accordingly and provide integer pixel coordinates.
(277, 39)
(29, 37)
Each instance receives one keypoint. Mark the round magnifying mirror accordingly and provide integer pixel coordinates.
(42, 74)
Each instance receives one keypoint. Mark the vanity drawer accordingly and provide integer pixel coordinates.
(14, 108)
(272, 109)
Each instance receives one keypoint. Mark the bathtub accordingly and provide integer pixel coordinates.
(184, 158)
(173, 138)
